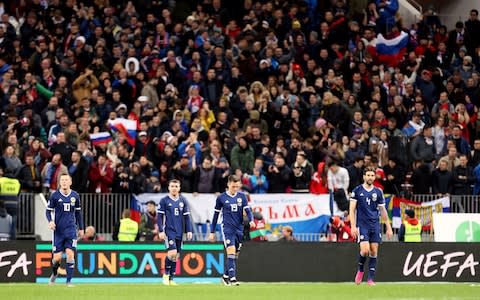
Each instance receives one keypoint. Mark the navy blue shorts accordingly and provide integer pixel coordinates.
(369, 234)
(173, 243)
(61, 242)
(232, 239)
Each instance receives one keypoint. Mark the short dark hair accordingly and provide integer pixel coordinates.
(233, 178)
(369, 169)
(174, 181)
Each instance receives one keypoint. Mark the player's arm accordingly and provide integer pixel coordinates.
(48, 212)
(161, 220)
(188, 223)
(248, 211)
(384, 215)
(353, 215)
(79, 218)
(218, 208)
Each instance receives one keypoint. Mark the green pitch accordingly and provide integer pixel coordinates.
(250, 291)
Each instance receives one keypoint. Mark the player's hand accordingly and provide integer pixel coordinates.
(354, 232)
(81, 233)
(189, 236)
(51, 225)
(211, 237)
(389, 233)
(161, 236)
(253, 225)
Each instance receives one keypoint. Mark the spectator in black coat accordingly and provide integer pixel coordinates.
(442, 179)
(62, 148)
(395, 175)
(463, 177)
(138, 182)
(278, 175)
(421, 178)
(78, 170)
(355, 172)
(29, 176)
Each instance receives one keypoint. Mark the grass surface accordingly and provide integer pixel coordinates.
(250, 291)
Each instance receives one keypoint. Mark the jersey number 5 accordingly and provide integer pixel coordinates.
(66, 206)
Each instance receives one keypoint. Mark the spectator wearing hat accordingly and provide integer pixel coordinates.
(411, 228)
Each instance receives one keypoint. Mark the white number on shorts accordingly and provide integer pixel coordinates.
(234, 207)
(74, 243)
(66, 206)
(176, 212)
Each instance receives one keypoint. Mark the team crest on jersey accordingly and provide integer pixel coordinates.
(239, 201)
(374, 196)
(72, 200)
(181, 205)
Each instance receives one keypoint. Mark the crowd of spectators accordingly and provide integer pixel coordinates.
(286, 94)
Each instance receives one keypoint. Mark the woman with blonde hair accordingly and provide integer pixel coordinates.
(464, 119)
(256, 90)
(206, 116)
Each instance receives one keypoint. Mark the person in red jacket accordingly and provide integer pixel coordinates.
(342, 229)
(318, 183)
(100, 176)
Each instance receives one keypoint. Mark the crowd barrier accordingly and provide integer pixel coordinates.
(29, 261)
(104, 210)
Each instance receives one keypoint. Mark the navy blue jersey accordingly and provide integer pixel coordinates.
(368, 202)
(232, 211)
(65, 207)
(174, 211)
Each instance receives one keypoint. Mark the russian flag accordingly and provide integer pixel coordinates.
(126, 127)
(391, 52)
(135, 209)
(100, 138)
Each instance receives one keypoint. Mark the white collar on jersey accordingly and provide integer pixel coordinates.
(228, 194)
(174, 199)
(65, 195)
(368, 190)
